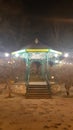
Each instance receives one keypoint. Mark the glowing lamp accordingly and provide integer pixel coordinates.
(7, 54)
(17, 55)
(66, 55)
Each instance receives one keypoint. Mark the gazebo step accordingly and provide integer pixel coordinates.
(41, 96)
(37, 90)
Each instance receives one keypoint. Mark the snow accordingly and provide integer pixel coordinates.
(19, 113)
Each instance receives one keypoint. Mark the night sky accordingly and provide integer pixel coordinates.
(21, 21)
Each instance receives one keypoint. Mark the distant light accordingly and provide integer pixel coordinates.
(13, 61)
(9, 62)
(64, 62)
(60, 62)
(56, 61)
(17, 55)
(52, 77)
(66, 55)
(56, 55)
(7, 54)
(70, 63)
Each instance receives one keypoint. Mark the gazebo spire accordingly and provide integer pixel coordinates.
(36, 41)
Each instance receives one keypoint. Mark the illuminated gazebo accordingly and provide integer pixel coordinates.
(38, 53)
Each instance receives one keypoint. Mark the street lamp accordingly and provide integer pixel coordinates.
(66, 55)
(7, 54)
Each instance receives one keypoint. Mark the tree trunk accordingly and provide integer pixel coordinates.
(9, 89)
(67, 87)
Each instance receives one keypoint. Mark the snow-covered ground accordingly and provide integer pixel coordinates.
(19, 113)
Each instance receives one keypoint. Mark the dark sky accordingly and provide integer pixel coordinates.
(21, 21)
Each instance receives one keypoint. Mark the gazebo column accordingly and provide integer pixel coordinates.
(27, 70)
(43, 69)
(47, 73)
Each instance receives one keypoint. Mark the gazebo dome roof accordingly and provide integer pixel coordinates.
(36, 45)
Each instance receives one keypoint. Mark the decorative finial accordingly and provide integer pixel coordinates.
(36, 41)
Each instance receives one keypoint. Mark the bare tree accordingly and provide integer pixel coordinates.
(9, 70)
(63, 74)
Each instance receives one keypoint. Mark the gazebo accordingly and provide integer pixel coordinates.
(41, 55)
